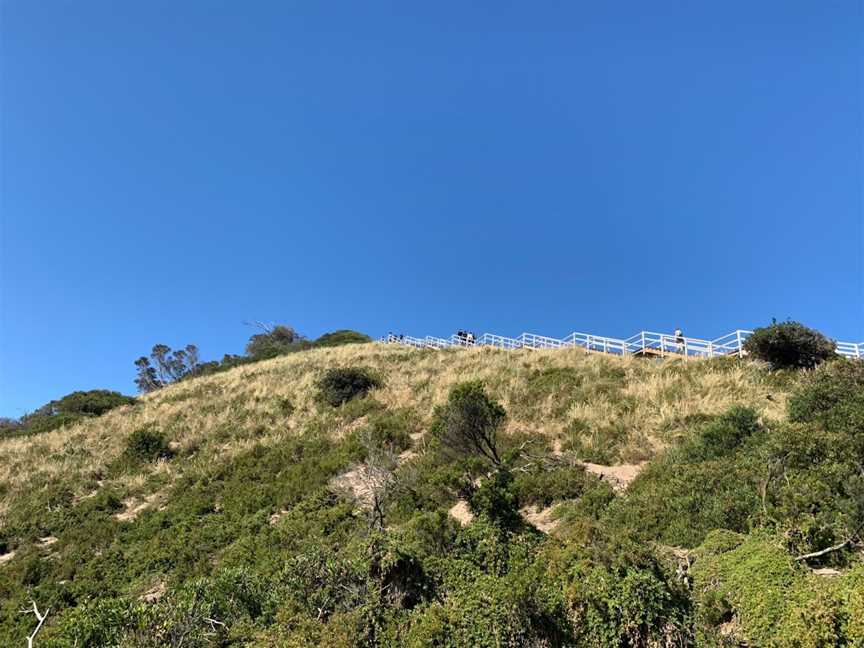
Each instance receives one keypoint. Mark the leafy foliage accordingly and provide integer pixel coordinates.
(789, 345)
(338, 386)
(274, 341)
(147, 444)
(469, 423)
(65, 411)
(244, 539)
(340, 337)
(165, 366)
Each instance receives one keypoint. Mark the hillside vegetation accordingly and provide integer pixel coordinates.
(319, 498)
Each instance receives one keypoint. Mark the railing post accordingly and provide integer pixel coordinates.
(738, 338)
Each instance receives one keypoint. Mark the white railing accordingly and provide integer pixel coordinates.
(643, 343)
(851, 349)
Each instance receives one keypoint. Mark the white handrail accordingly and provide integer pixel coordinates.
(642, 343)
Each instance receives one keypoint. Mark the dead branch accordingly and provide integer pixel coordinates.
(837, 547)
(40, 617)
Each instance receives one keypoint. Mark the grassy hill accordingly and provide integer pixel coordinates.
(241, 509)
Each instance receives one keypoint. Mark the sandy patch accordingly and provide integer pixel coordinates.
(461, 512)
(619, 477)
(4, 558)
(540, 518)
(134, 507)
(154, 593)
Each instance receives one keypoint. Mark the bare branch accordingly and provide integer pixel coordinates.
(39, 617)
(837, 547)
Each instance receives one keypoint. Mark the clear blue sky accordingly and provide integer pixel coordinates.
(173, 169)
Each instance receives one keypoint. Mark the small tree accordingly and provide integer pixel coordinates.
(469, 423)
(789, 345)
(146, 379)
(273, 341)
(377, 476)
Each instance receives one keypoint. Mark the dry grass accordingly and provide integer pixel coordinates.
(219, 416)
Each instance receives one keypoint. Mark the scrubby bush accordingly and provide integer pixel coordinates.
(147, 444)
(274, 341)
(66, 410)
(343, 336)
(710, 482)
(628, 606)
(834, 391)
(789, 345)
(94, 402)
(775, 601)
(469, 423)
(338, 386)
(542, 487)
(722, 435)
(385, 430)
(497, 498)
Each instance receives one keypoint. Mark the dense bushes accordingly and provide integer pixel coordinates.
(340, 337)
(789, 345)
(67, 410)
(832, 395)
(338, 386)
(775, 601)
(802, 479)
(279, 340)
(542, 487)
(165, 366)
(274, 341)
(255, 542)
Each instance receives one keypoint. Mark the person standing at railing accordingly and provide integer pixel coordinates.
(679, 340)
(470, 338)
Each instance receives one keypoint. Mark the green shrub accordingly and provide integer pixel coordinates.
(833, 391)
(94, 402)
(343, 336)
(338, 386)
(431, 533)
(627, 606)
(385, 430)
(147, 444)
(275, 341)
(543, 487)
(69, 409)
(497, 499)
(777, 602)
(710, 482)
(789, 345)
(722, 435)
(469, 423)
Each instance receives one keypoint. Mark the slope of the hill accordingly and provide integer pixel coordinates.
(234, 509)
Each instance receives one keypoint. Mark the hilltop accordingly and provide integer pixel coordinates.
(631, 502)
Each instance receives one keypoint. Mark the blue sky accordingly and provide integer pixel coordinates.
(173, 169)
